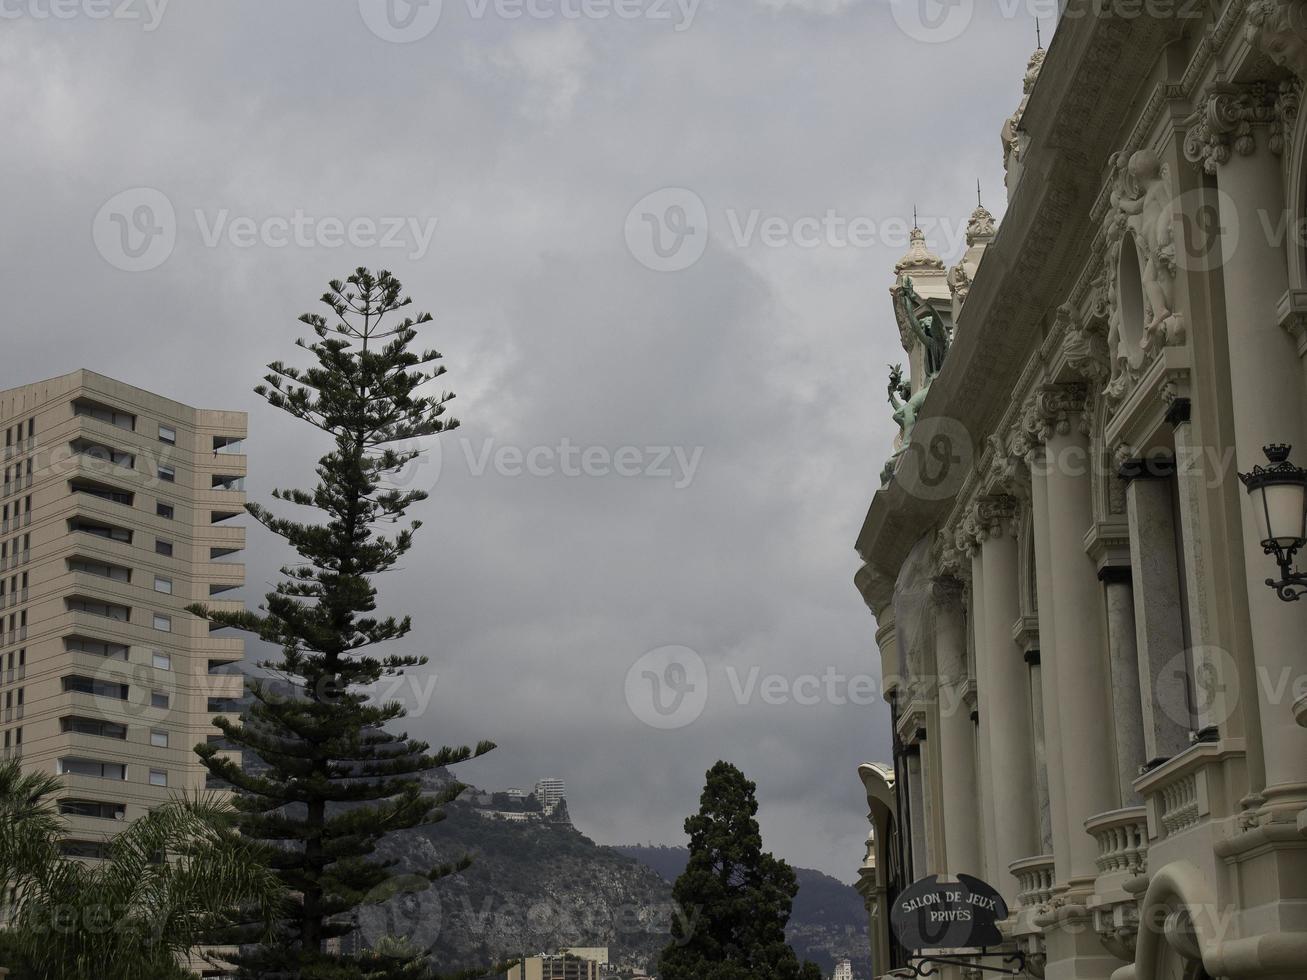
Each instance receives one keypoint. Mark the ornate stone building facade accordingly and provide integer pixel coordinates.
(1099, 704)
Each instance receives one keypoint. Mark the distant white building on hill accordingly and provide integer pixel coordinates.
(843, 970)
(549, 791)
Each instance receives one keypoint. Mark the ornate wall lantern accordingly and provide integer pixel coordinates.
(1279, 496)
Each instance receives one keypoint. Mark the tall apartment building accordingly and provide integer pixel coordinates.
(118, 510)
(549, 791)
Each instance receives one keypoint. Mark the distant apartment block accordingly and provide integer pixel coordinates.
(118, 510)
(843, 970)
(549, 791)
(580, 963)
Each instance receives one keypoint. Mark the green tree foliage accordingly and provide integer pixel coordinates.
(168, 881)
(735, 898)
(336, 779)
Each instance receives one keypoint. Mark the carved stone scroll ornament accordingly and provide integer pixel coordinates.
(996, 516)
(1227, 117)
(1055, 409)
(1278, 28)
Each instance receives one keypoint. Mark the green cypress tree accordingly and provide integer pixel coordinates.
(335, 779)
(734, 898)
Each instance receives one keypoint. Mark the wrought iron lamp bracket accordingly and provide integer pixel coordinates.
(1014, 964)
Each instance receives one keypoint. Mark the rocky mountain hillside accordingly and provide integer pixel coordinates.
(535, 886)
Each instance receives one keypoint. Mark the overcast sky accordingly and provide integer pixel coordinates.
(665, 443)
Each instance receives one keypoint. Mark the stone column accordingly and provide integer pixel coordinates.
(984, 716)
(1127, 708)
(1035, 689)
(1004, 685)
(1053, 747)
(1163, 664)
(1078, 647)
(1267, 406)
(957, 735)
(916, 813)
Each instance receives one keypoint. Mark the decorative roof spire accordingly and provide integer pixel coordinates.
(980, 226)
(918, 257)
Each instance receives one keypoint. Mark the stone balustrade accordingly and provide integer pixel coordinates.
(1034, 881)
(1179, 804)
(1122, 837)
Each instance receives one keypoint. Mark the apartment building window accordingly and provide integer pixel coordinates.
(163, 585)
(93, 808)
(167, 473)
(168, 434)
(104, 413)
(72, 766)
(165, 511)
(99, 451)
(163, 623)
(222, 481)
(76, 724)
(158, 777)
(228, 445)
(77, 684)
(96, 607)
(160, 661)
(159, 739)
(163, 547)
(159, 699)
(84, 849)
(100, 569)
(102, 490)
(100, 530)
(101, 648)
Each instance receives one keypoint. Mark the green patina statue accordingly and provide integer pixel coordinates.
(929, 328)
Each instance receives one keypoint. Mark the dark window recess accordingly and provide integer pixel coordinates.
(91, 685)
(100, 530)
(92, 726)
(93, 808)
(105, 413)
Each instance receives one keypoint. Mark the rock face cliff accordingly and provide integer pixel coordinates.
(536, 886)
(533, 887)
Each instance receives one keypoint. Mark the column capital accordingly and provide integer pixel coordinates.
(1226, 117)
(1054, 409)
(996, 516)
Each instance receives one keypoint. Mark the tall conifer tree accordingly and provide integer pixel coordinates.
(337, 780)
(734, 898)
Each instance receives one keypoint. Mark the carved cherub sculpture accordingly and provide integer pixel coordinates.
(1148, 203)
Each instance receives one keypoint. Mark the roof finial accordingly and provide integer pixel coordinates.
(1039, 35)
(914, 217)
(978, 201)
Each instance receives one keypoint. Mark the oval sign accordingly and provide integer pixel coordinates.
(961, 914)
